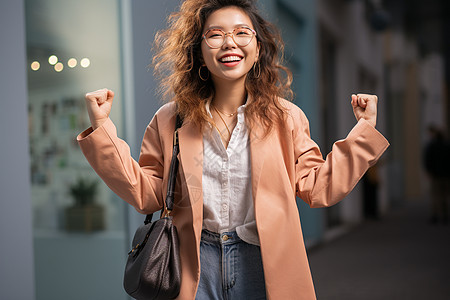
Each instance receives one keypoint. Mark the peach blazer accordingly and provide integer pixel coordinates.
(285, 164)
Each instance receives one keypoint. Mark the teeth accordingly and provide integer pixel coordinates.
(230, 58)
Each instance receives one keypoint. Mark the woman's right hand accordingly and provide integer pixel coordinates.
(99, 105)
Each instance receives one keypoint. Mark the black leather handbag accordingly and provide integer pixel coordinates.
(153, 268)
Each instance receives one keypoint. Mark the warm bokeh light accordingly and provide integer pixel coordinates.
(35, 65)
(72, 63)
(53, 59)
(59, 67)
(85, 62)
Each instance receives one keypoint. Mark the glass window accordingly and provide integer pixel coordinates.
(73, 47)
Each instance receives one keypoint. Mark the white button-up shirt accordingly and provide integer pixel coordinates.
(226, 182)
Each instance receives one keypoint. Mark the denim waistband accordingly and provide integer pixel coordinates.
(229, 237)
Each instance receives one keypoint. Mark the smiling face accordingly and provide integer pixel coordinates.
(229, 62)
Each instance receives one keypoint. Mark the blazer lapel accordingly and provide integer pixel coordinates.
(258, 149)
(191, 160)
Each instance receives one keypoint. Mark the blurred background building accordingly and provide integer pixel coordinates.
(53, 52)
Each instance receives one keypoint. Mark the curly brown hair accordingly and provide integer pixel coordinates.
(178, 57)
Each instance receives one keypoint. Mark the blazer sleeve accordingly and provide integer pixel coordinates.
(322, 183)
(138, 183)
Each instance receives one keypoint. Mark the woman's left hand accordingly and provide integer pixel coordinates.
(365, 106)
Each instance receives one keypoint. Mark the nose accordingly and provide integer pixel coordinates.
(229, 42)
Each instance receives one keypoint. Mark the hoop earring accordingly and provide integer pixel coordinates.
(200, 73)
(259, 69)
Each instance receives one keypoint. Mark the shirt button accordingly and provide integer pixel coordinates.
(224, 184)
(224, 207)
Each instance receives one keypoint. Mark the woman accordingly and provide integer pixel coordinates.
(245, 153)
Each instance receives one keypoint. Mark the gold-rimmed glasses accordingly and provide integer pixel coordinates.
(215, 37)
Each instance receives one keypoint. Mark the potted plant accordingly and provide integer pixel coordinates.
(84, 215)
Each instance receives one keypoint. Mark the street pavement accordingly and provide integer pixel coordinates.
(400, 256)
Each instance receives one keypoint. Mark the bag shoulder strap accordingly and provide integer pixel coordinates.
(172, 173)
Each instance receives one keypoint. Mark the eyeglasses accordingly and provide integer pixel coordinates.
(215, 37)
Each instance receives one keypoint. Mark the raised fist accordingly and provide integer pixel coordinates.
(365, 106)
(99, 105)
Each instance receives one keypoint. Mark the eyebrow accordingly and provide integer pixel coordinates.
(220, 27)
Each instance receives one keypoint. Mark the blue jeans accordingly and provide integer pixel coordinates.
(230, 268)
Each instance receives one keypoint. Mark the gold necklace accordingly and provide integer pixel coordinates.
(226, 141)
(226, 114)
(223, 121)
(224, 138)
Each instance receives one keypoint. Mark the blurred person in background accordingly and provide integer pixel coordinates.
(245, 153)
(437, 166)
